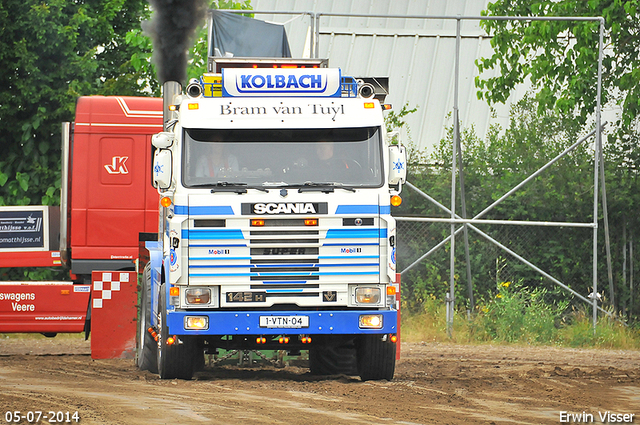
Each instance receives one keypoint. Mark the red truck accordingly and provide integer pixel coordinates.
(109, 207)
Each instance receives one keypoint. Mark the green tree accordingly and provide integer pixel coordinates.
(51, 53)
(561, 57)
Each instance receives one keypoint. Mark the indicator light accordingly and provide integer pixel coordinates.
(165, 202)
(386, 107)
(396, 200)
(391, 290)
(173, 108)
(174, 291)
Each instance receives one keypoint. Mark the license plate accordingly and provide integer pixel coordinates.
(295, 322)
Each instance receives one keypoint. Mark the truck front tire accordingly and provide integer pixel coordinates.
(376, 358)
(333, 360)
(176, 360)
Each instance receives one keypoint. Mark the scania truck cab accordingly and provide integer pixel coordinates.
(276, 188)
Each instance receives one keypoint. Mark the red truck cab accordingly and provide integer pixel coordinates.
(111, 196)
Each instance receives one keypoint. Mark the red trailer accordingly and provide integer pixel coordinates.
(108, 206)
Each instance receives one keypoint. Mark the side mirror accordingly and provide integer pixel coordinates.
(397, 165)
(162, 140)
(162, 168)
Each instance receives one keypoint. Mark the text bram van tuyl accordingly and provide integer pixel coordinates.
(606, 417)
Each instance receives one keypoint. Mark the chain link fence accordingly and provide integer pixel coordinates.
(564, 253)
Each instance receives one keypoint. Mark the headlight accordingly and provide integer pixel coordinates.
(196, 323)
(370, 321)
(198, 295)
(367, 295)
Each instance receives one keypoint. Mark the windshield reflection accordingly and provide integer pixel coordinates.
(276, 158)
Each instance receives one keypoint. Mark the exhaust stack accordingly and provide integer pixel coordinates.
(170, 91)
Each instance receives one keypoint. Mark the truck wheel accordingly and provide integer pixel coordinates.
(147, 345)
(376, 358)
(333, 360)
(176, 360)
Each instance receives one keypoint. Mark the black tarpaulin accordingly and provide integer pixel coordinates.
(239, 36)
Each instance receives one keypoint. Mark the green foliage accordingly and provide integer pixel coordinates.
(52, 52)
(518, 314)
(561, 57)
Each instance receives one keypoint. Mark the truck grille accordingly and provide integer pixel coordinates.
(283, 257)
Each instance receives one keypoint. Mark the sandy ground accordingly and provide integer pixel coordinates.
(434, 384)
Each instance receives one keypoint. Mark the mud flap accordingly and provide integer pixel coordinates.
(114, 299)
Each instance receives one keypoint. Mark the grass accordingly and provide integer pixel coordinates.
(519, 318)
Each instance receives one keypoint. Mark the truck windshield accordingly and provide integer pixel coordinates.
(348, 157)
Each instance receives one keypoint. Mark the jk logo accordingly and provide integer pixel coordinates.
(118, 165)
(329, 296)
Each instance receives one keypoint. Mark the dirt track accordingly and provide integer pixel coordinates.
(434, 384)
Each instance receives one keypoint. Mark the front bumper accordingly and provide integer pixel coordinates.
(248, 322)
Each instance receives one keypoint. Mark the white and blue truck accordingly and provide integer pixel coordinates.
(277, 179)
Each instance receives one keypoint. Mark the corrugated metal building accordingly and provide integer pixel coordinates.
(418, 55)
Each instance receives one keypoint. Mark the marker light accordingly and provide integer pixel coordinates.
(174, 291)
(386, 107)
(171, 340)
(257, 222)
(174, 107)
(370, 321)
(311, 222)
(394, 338)
(165, 202)
(369, 105)
(193, 106)
(396, 200)
(196, 323)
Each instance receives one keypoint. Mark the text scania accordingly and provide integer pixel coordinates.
(280, 81)
(288, 208)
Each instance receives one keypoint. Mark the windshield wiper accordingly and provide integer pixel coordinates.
(232, 187)
(327, 187)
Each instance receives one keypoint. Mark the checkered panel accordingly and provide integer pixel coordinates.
(103, 289)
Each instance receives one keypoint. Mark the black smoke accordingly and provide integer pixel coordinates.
(172, 28)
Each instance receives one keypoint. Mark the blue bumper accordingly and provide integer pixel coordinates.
(248, 322)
